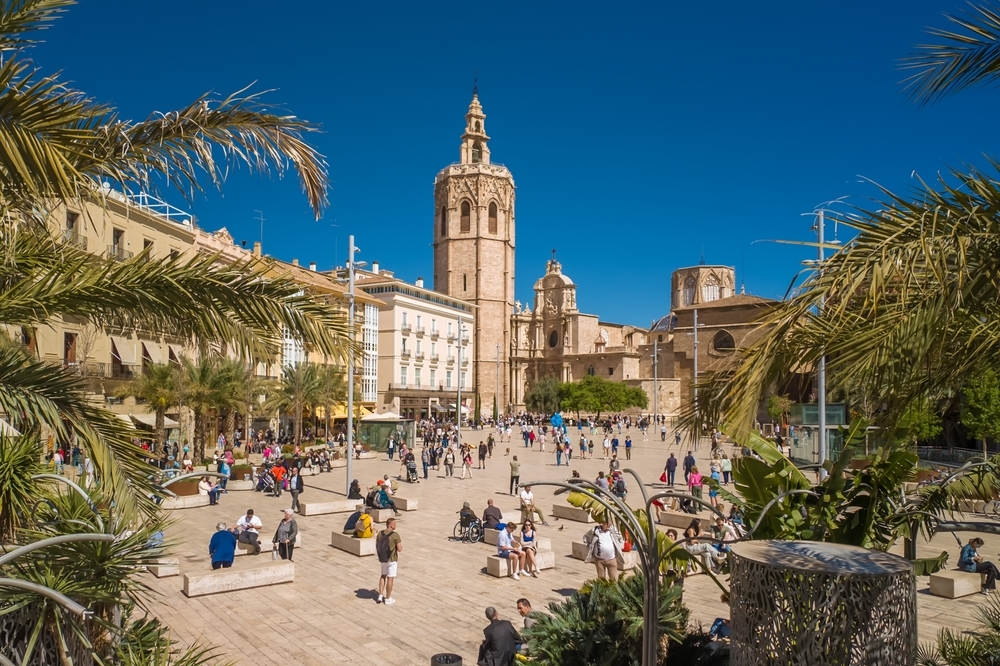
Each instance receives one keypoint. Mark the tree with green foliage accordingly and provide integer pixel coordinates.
(778, 407)
(298, 390)
(921, 422)
(597, 395)
(157, 385)
(544, 396)
(332, 391)
(981, 407)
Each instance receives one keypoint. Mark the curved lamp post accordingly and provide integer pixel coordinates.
(647, 544)
(79, 490)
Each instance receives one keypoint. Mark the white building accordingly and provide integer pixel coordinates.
(421, 335)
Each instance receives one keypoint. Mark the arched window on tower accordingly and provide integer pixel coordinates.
(479, 127)
(689, 287)
(444, 220)
(710, 289)
(493, 218)
(466, 223)
(477, 153)
(723, 343)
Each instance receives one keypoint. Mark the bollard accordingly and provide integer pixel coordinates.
(446, 659)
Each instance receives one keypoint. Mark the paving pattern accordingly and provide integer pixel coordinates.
(329, 614)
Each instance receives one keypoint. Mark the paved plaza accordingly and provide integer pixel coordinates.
(329, 615)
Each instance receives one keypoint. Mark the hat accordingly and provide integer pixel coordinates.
(380, 482)
(465, 505)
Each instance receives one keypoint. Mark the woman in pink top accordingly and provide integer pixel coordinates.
(694, 482)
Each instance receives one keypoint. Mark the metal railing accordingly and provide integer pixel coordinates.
(405, 353)
(119, 253)
(405, 328)
(435, 358)
(434, 334)
(420, 356)
(74, 238)
(151, 204)
(419, 330)
(452, 337)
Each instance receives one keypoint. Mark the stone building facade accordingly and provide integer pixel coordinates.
(699, 284)
(474, 253)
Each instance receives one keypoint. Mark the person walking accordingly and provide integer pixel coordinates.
(603, 546)
(694, 483)
(727, 469)
(607, 447)
(663, 432)
(467, 464)
(284, 536)
(483, 450)
(425, 459)
(628, 447)
(391, 447)
(295, 487)
(671, 469)
(689, 462)
(388, 546)
(677, 437)
(222, 547)
(449, 463)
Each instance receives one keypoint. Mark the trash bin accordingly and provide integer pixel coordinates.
(446, 659)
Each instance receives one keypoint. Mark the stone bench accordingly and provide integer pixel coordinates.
(348, 544)
(956, 583)
(338, 463)
(681, 521)
(332, 506)
(379, 515)
(230, 580)
(572, 513)
(185, 502)
(404, 503)
(499, 566)
(631, 558)
(164, 567)
(541, 543)
(367, 455)
(240, 484)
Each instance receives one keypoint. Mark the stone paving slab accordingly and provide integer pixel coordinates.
(329, 615)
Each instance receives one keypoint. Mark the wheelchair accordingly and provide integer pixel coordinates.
(473, 532)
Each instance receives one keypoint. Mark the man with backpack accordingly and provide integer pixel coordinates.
(388, 543)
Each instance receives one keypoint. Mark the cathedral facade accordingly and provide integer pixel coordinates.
(474, 254)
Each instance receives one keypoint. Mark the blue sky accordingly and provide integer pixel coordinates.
(640, 135)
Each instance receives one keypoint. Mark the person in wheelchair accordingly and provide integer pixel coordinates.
(467, 516)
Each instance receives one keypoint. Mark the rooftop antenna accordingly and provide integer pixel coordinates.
(743, 270)
(336, 242)
(260, 218)
(475, 82)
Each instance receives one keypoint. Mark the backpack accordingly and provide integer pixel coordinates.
(370, 499)
(382, 548)
(363, 528)
(620, 486)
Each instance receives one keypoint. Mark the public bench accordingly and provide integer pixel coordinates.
(499, 566)
(378, 515)
(243, 548)
(490, 537)
(956, 583)
(230, 580)
(348, 544)
(164, 567)
(405, 503)
(572, 513)
(631, 558)
(331, 506)
(681, 521)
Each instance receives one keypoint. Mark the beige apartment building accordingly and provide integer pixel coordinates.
(424, 344)
(123, 226)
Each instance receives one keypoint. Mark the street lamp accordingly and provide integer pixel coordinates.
(352, 266)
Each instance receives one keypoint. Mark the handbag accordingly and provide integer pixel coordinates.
(663, 477)
(274, 551)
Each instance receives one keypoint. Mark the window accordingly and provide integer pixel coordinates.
(465, 285)
(404, 319)
(71, 219)
(434, 326)
(723, 343)
(433, 383)
(404, 345)
(466, 219)
(493, 218)
(449, 353)
(416, 377)
(147, 247)
(418, 321)
(590, 371)
(477, 153)
(174, 254)
(689, 287)
(117, 242)
(69, 348)
(449, 335)
(553, 338)
(611, 371)
(418, 346)
(402, 376)
(710, 290)
(447, 379)
(433, 349)
(444, 221)
(462, 380)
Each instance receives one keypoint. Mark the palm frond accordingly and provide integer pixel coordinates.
(963, 59)
(20, 17)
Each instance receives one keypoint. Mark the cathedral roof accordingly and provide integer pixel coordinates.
(737, 299)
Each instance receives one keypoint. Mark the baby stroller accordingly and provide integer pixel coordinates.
(265, 482)
(411, 472)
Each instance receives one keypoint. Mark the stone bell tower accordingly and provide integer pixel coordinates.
(474, 252)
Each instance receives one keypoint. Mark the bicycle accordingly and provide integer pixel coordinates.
(473, 533)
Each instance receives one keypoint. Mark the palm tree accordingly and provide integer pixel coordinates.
(296, 391)
(158, 387)
(251, 390)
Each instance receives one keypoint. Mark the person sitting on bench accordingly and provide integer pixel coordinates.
(382, 499)
(249, 526)
(970, 560)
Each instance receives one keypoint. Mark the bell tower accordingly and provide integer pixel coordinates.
(474, 253)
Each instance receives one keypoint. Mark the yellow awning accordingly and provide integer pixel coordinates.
(340, 412)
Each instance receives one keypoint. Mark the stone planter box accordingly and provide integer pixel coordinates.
(186, 502)
(571, 513)
(184, 488)
(239, 484)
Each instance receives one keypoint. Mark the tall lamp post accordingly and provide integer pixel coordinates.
(458, 398)
(351, 266)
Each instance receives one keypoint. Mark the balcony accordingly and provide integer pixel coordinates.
(419, 330)
(465, 361)
(74, 238)
(435, 358)
(405, 328)
(434, 334)
(452, 337)
(420, 356)
(451, 360)
(465, 339)
(405, 353)
(399, 386)
(118, 253)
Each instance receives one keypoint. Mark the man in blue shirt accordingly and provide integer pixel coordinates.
(506, 549)
(222, 547)
(628, 447)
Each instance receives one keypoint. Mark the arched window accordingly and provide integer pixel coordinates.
(466, 217)
(553, 339)
(444, 221)
(493, 218)
(689, 287)
(723, 343)
(477, 152)
(710, 289)
(478, 126)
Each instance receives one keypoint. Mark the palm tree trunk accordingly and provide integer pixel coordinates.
(161, 431)
(199, 430)
(231, 426)
(326, 426)
(298, 423)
